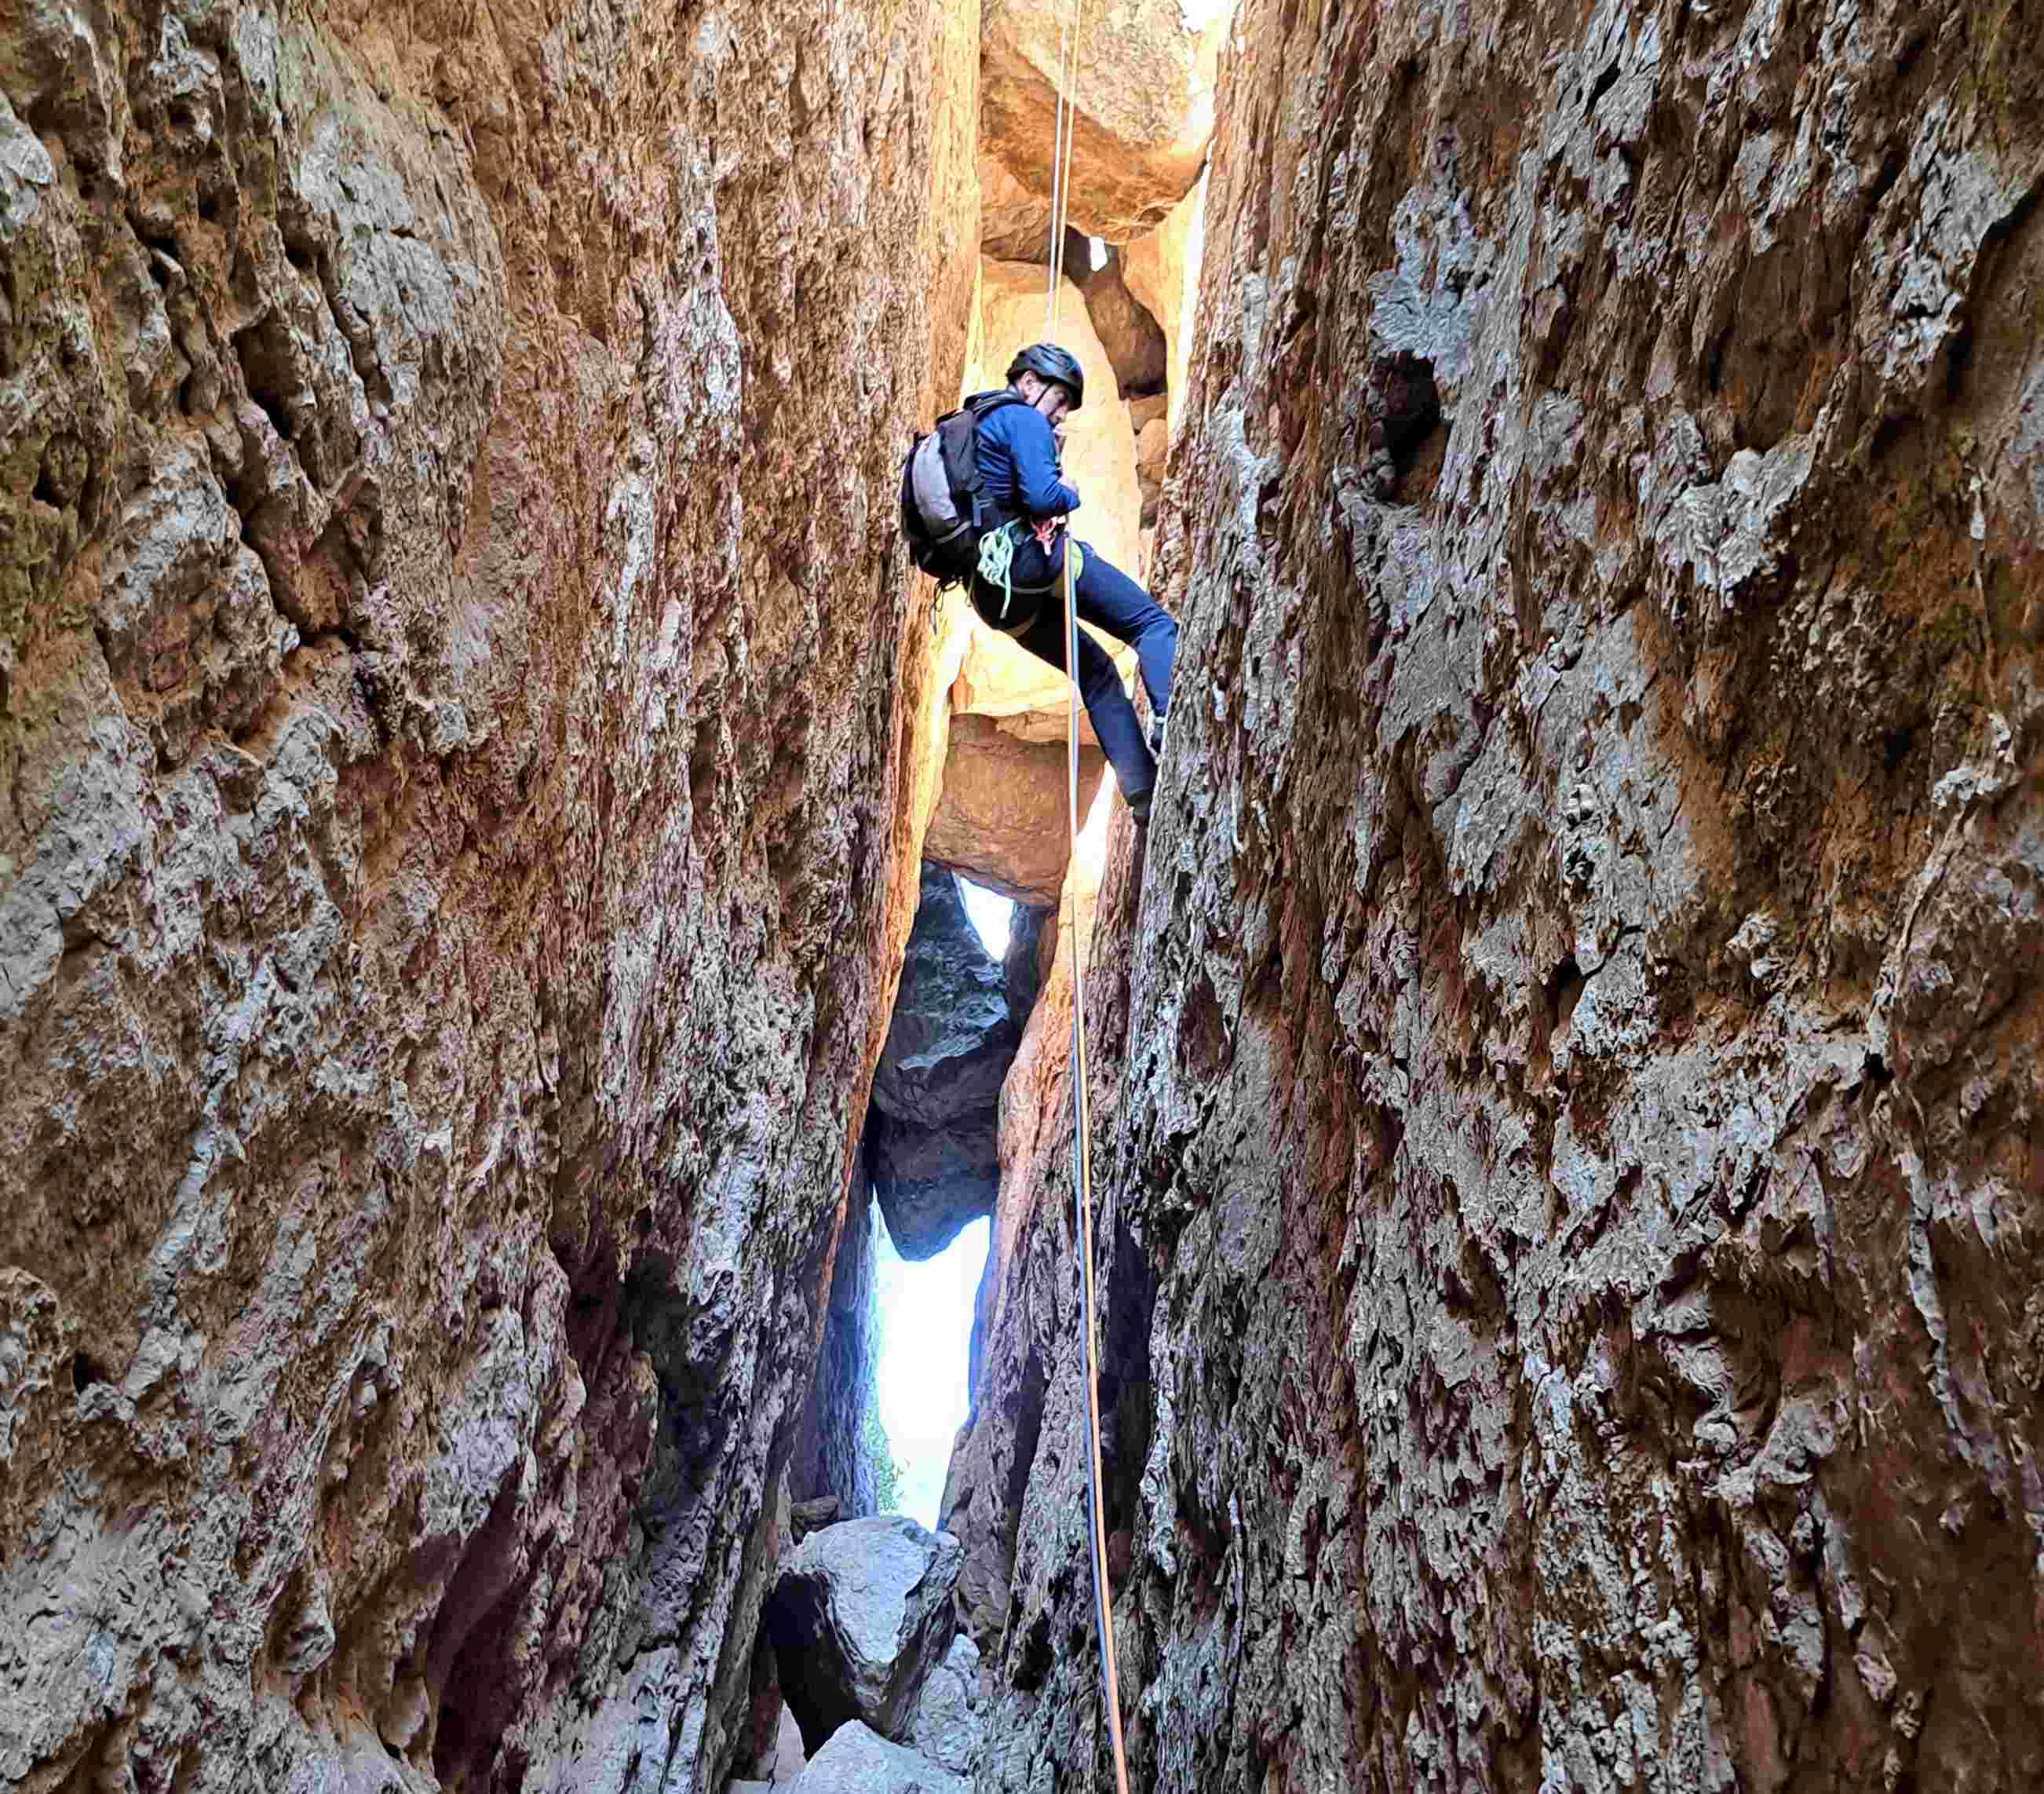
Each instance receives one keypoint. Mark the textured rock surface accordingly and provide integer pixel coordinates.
(930, 1149)
(858, 1761)
(1025, 1399)
(831, 1461)
(1572, 1305)
(454, 721)
(949, 1723)
(1143, 87)
(1153, 455)
(1004, 818)
(1030, 946)
(860, 1615)
(1161, 271)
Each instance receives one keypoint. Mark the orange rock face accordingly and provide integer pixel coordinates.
(459, 700)
(1002, 820)
(1143, 88)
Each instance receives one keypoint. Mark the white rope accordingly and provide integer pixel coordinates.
(1057, 146)
(1062, 130)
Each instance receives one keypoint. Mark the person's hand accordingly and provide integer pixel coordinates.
(1046, 531)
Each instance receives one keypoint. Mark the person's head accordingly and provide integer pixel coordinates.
(1050, 379)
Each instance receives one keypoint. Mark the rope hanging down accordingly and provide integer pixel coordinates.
(1082, 1106)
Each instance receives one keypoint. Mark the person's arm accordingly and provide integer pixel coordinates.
(1037, 482)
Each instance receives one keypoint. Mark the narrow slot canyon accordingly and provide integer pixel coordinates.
(539, 956)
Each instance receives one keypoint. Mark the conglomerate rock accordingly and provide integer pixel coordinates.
(1574, 1225)
(1142, 90)
(460, 742)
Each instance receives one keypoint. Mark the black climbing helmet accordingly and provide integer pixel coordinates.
(1053, 364)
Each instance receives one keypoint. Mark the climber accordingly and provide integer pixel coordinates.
(1027, 497)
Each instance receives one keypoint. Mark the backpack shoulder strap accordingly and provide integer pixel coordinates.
(983, 405)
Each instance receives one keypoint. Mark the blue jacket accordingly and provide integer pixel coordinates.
(1018, 464)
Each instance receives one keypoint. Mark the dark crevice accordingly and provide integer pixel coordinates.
(263, 350)
(1407, 437)
(1565, 989)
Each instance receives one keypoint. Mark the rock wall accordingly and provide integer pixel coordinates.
(831, 1459)
(461, 747)
(1575, 1206)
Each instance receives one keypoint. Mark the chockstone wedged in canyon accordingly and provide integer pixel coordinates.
(1565, 1056)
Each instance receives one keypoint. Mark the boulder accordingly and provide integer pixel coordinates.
(1002, 817)
(860, 1615)
(950, 1040)
(1143, 86)
(856, 1761)
(929, 1151)
(949, 1723)
(931, 1181)
(1162, 271)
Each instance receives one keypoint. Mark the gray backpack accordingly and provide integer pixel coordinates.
(943, 500)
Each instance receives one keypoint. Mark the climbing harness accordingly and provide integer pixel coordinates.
(996, 569)
(1067, 117)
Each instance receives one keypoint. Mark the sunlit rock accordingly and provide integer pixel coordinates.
(1161, 271)
(1143, 75)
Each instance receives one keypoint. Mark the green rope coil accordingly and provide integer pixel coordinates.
(997, 563)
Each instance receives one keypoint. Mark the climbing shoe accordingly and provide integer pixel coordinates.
(1138, 806)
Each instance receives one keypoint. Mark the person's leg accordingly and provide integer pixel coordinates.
(1100, 686)
(1112, 601)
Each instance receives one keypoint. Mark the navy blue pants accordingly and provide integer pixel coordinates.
(1108, 598)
